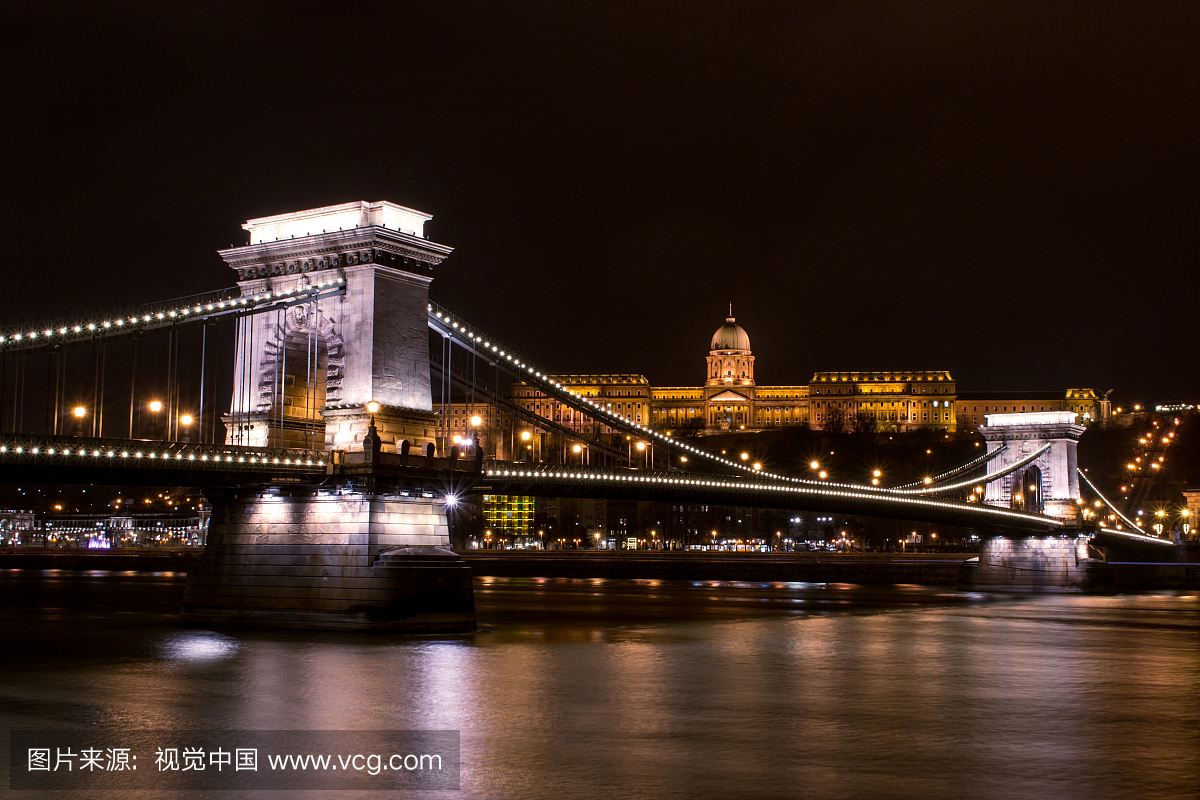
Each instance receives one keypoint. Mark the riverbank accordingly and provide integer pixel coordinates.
(927, 569)
(124, 559)
(867, 568)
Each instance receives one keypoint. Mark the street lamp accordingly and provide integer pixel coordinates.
(155, 407)
(476, 421)
(186, 421)
(80, 412)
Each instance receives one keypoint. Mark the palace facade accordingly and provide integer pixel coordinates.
(731, 400)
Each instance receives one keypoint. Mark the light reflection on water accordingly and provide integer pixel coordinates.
(198, 646)
(657, 689)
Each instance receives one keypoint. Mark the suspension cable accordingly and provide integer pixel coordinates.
(1013, 467)
(1106, 502)
(972, 464)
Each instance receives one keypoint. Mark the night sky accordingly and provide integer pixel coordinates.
(1007, 192)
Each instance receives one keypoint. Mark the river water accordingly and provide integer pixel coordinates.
(606, 688)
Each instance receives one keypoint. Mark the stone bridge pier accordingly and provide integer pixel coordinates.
(344, 556)
(1048, 485)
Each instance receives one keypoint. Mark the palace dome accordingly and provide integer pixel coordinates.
(730, 336)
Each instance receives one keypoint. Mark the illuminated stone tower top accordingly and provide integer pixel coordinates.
(328, 359)
(730, 362)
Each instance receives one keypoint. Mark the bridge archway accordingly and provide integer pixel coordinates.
(1027, 490)
(300, 372)
(1050, 484)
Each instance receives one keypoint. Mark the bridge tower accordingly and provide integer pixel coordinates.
(303, 377)
(1048, 485)
(349, 555)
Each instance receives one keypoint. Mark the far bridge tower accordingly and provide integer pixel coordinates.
(1047, 485)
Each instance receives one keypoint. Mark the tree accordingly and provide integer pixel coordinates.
(863, 422)
(835, 420)
(689, 428)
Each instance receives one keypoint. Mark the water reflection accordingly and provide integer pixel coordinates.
(597, 688)
(193, 646)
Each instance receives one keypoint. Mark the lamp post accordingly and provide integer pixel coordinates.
(476, 422)
(525, 437)
(155, 407)
(80, 412)
(186, 422)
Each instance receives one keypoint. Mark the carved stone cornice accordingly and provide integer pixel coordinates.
(337, 249)
(1006, 433)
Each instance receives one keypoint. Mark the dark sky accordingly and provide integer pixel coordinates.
(1007, 191)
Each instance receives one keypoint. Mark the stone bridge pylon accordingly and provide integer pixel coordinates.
(1049, 485)
(303, 377)
(344, 555)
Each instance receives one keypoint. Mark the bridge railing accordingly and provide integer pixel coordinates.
(149, 454)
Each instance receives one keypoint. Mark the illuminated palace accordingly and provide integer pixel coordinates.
(730, 400)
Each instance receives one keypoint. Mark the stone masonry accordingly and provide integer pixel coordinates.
(373, 338)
